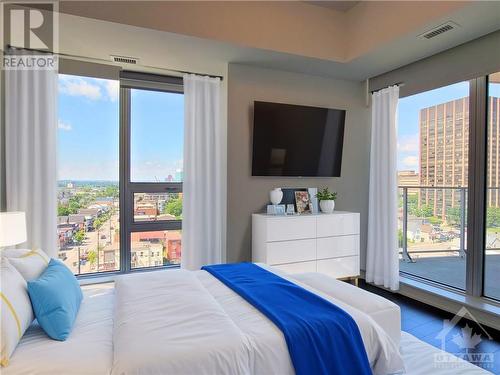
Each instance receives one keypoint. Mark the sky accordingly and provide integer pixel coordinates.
(88, 134)
(408, 110)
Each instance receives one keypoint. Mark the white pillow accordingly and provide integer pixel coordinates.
(16, 313)
(29, 263)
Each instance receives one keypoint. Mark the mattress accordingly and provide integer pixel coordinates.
(386, 313)
(420, 359)
(190, 323)
(88, 350)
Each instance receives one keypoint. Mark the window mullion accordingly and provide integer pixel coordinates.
(125, 195)
(477, 186)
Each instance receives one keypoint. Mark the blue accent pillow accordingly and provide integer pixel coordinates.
(56, 297)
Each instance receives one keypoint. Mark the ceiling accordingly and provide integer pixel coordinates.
(370, 38)
(341, 6)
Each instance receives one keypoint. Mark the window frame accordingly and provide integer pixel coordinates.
(149, 82)
(477, 193)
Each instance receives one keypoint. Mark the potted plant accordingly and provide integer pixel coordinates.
(326, 200)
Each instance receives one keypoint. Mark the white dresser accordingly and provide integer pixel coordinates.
(325, 243)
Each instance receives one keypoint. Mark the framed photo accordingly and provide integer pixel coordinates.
(276, 209)
(302, 202)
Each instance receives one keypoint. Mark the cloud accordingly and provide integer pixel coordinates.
(77, 86)
(409, 143)
(64, 126)
(113, 90)
(90, 88)
(410, 162)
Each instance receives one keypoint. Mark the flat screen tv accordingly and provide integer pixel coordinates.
(295, 140)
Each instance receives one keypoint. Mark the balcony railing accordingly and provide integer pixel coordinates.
(438, 215)
(431, 211)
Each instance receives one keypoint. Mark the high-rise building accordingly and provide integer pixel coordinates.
(444, 153)
(409, 178)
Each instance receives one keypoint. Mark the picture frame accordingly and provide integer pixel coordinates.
(303, 202)
(276, 209)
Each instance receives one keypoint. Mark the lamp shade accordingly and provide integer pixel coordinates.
(12, 228)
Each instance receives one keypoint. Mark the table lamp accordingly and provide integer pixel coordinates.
(12, 228)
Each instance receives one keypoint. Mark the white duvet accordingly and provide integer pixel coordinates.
(181, 322)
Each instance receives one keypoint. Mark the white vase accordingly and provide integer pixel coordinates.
(276, 195)
(327, 206)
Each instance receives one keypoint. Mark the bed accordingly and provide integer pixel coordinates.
(181, 322)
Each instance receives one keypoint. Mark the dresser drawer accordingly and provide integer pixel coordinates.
(291, 251)
(291, 228)
(334, 247)
(339, 267)
(297, 267)
(337, 225)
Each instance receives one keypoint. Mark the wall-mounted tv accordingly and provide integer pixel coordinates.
(295, 140)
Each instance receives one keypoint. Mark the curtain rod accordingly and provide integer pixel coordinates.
(90, 59)
(400, 84)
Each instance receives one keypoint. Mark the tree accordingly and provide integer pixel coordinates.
(79, 236)
(174, 207)
(453, 215)
(62, 210)
(435, 220)
(98, 222)
(92, 257)
(493, 217)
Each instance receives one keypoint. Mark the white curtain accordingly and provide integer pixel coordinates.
(30, 147)
(382, 261)
(202, 185)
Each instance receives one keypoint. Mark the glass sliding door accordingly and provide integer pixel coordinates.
(491, 286)
(433, 169)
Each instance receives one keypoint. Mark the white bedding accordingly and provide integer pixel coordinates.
(180, 308)
(88, 350)
(167, 323)
(386, 313)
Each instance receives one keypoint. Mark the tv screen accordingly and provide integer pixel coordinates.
(295, 140)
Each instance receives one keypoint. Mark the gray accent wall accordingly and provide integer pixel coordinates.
(247, 194)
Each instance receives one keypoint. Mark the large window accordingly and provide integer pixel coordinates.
(120, 151)
(433, 169)
(449, 183)
(152, 181)
(88, 189)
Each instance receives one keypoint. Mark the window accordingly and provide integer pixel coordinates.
(152, 182)
(433, 178)
(120, 153)
(88, 193)
(447, 186)
(157, 136)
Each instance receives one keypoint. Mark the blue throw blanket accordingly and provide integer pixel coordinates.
(321, 337)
